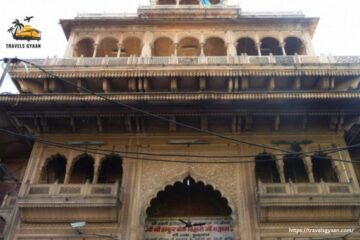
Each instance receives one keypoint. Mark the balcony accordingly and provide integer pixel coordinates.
(307, 201)
(53, 202)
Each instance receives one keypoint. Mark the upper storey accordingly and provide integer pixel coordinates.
(189, 28)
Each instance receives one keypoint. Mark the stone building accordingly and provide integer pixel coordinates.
(187, 120)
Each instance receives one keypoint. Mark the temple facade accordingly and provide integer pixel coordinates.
(188, 120)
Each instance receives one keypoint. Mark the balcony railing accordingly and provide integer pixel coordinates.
(202, 60)
(299, 189)
(67, 190)
(93, 202)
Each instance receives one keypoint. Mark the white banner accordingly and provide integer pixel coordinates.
(214, 228)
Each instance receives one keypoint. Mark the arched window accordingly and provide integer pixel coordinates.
(84, 47)
(110, 169)
(294, 45)
(131, 46)
(266, 169)
(215, 47)
(54, 170)
(270, 45)
(323, 169)
(189, 47)
(246, 46)
(107, 47)
(163, 47)
(83, 169)
(294, 169)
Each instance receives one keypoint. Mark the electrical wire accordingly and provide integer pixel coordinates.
(264, 146)
(128, 155)
(146, 112)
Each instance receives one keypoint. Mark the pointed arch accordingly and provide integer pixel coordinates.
(54, 169)
(266, 169)
(110, 169)
(294, 168)
(82, 169)
(323, 169)
(205, 201)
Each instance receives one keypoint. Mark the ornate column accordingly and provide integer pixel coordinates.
(282, 45)
(202, 54)
(176, 44)
(95, 49)
(308, 167)
(119, 45)
(258, 48)
(97, 163)
(280, 167)
(231, 49)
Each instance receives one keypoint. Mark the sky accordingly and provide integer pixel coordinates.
(337, 33)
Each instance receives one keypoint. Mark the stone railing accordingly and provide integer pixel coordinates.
(202, 60)
(305, 189)
(83, 190)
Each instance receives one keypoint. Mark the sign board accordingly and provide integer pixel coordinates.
(214, 228)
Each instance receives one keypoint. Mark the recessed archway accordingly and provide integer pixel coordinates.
(294, 169)
(83, 169)
(107, 47)
(265, 168)
(270, 45)
(189, 47)
(214, 46)
(323, 169)
(131, 46)
(84, 47)
(54, 170)
(189, 204)
(163, 46)
(246, 46)
(294, 45)
(111, 169)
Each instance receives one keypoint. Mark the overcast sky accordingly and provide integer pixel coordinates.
(338, 32)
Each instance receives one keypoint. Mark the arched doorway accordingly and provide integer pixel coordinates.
(189, 210)
(246, 46)
(294, 45)
(54, 170)
(214, 46)
(108, 47)
(189, 47)
(270, 46)
(163, 46)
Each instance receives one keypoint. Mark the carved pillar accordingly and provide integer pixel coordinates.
(119, 45)
(95, 49)
(280, 167)
(97, 163)
(258, 48)
(202, 49)
(282, 45)
(176, 48)
(308, 167)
